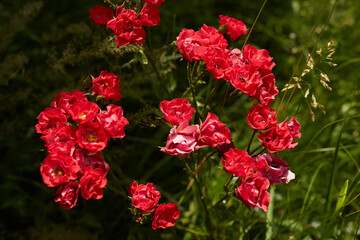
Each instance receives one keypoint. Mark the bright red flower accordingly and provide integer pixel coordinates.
(64, 100)
(61, 140)
(258, 58)
(92, 183)
(100, 15)
(245, 78)
(67, 194)
(145, 198)
(182, 140)
(252, 191)
(149, 15)
(91, 136)
(279, 170)
(218, 62)
(261, 117)
(132, 188)
(212, 37)
(214, 132)
(49, 119)
(235, 28)
(267, 90)
(58, 169)
(83, 111)
(107, 84)
(155, 3)
(238, 162)
(113, 121)
(127, 28)
(89, 159)
(177, 110)
(165, 216)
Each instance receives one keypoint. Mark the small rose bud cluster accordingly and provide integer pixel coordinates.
(128, 25)
(248, 71)
(74, 131)
(145, 201)
(184, 138)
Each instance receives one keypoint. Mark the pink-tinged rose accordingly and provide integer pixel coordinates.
(92, 136)
(235, 28)
(145, 198)
(155, 3)
(212, 37)
(267, 90)
(113, 121)
(83, 111)
(127, 28)
(58, 169)
(245, 78)
(61, 140)
(190, 45)
(165, 216)
(132, 188)
(182, 140)
(149, 15)
(89, 159)
(261, 117)
(238, 162)
(64, 100)
(92, 183)
(278, 169)
(294, 128)
(252, 191)
(100, 15)
(67, 194)
(214, 132)
(49, 119)
(107, 84)
(261, 166)
(218, 62)
(258, 58)
(177, 111)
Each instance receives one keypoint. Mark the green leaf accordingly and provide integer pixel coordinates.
(342, 196)
(141, 57)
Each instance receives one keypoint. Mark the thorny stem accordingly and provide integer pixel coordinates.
(251, 139)
(192, 88)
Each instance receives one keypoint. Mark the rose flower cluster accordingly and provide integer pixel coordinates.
(74, 131)
(248, 71)
(145, 200)
(128, 25)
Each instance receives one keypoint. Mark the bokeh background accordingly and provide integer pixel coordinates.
(47, 47)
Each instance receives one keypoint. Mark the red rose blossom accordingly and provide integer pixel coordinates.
(83, 111)
(92, 183)
(149, 15)
(177, 110)
(261, 117)
(67, 194)
(258, 58)
(235, 28)
(127, 28)
(49, 119)
(64, 100)
(100, 15)
(107, 84)
(132, 188)
(218, 62)
(113, 121)
(252, 191)
(214, 132)
(267, 90)
(61, 140)
(278, 169)
(155, 3)
(145, 198)
(165, 216)
(91, 136)
(89, 159)
(238, 162)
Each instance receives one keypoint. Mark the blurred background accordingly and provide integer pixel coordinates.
(47, 47)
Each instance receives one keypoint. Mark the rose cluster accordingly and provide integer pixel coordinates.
(248, 71)
(74, 130)
(145, 200)
(184, 138)
(128, 25)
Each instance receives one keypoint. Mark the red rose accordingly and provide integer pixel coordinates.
(238, 162)
(89, 159)
(64, 100)
(294, 128)
(212, 37)
(49, 119)
(165, 216)
(83, 111)
(58, 169)
(155, 3)
(235, 28)
(61, 140)
(91, 136)
(261, 117)
(214, 132)
(149, 16)
(258, 58)
(278, 169)
(113, 121)
(267, 90)
(132, 188)
(67, 194)
(127, 28)
(218, 62)
(252, 191)
(145, 198)
(190, 45)
(245, 78)
(107, 84)
(182, 140)
(92, 183)
(100, 15)
(177, 110)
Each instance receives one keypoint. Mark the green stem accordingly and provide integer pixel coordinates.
(211, 95)
(251, 139)
(192, 88)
